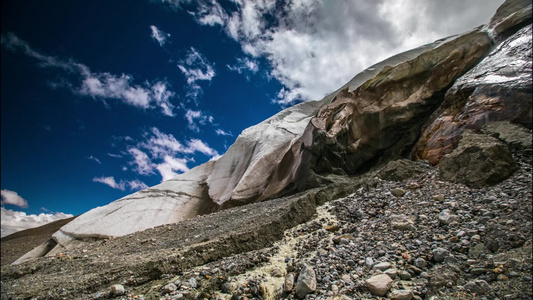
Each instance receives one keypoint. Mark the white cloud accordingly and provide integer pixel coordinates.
(141, 161)
(195, 67)
(245, 65)
(13, 221)
(158, 35)
(110, 181)
(315, 46)
(95, 159)
(100, 85)
(197, 145)
(163, 153)
(195, 118)
(171, 164)
(122, 184)
(10, 197)
(210, 13)
(222, 132)
(137, 185)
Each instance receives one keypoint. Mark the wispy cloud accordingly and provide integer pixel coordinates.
(11, 197)
(223, 133)
(195, 118)
(95, 159)
(163, 153)
(195, 67)
(103, 86)
(245, 66)
(158, 35)
(13, 221)
(122, 184)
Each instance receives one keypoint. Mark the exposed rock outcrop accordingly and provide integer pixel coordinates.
(499, 88)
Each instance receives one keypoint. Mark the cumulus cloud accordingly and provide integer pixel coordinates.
(104, 85)
(122, 184)
(11, 197)
(158, 35)
(13, 221)
(315, 46)
(195, 67)
(163, 153)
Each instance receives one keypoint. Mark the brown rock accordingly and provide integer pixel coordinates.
(379, 285)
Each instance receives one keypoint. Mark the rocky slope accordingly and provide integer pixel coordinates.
(456, 224)
(428, 237)
(440, 89)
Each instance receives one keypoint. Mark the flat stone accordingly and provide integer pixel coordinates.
(401, 295)
(382, 266)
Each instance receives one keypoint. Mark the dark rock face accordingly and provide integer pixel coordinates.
(478, 161)
(497, 89)
(381, 120)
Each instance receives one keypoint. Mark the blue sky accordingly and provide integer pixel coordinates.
(102, 98)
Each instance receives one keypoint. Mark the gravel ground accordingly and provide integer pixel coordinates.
(413, 239)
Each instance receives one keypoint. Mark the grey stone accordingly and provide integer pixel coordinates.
(404, 275)
(440, 254)
(369, 262)
(391, 272)
(382, 266)
(193, 283)
(446, 217)
(420, 263)
(480, 287)
(306, 282)
(288, 284)
(379, 285)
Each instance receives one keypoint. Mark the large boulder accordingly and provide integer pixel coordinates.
(478, 161)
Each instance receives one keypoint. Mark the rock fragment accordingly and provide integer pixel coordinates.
(401, 295)
(117, 289)
(306, 282)
(379, 285)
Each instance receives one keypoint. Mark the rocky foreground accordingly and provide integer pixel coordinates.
(399, 231)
